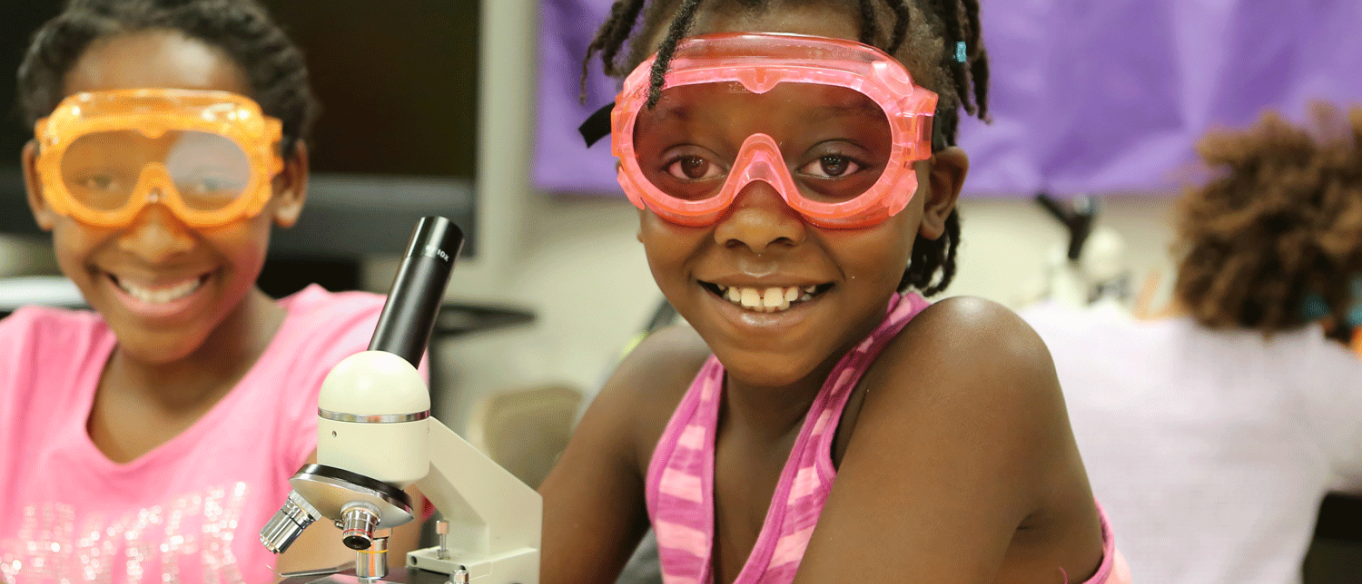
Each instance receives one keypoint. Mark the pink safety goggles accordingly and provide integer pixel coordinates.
(833, 126)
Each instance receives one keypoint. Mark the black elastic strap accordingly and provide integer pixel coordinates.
(939, 141)
(597, 126)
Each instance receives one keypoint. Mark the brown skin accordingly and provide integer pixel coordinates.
(962, 415)
(166, 373)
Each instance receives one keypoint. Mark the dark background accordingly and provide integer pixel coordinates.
(396, 138)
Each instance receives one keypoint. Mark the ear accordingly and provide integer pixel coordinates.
(42, 211)
(945, 177)
(290, 188)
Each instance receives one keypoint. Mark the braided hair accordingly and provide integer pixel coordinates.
(1281, 220)
(272, 65)
(922, 34)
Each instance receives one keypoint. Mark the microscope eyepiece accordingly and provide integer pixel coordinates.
(408, 316)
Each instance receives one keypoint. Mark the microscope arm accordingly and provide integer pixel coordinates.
(494, 518)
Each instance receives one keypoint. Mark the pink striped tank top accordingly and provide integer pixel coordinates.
(680, 482)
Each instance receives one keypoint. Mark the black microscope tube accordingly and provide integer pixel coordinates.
(414, 300)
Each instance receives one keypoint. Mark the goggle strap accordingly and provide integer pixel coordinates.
(939, 141)
(596, 126)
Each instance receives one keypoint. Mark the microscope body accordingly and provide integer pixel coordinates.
(494, 519)
(372, 419)
(375, 437)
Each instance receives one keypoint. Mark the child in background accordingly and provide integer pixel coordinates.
(151, 439)
(1213, 435)
(818, 424)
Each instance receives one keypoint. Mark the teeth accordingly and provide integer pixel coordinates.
(771, 299)
(160, 295)
(751, 298)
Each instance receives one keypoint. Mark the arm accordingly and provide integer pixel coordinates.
(320, 545)
(594, 509)
(961, 463)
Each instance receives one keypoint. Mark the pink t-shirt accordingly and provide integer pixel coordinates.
(191, 509)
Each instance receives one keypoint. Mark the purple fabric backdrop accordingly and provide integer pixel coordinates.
(1088, 96)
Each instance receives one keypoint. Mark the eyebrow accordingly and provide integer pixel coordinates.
(664, 112)
(861, 108)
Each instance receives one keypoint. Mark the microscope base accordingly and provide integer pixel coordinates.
(423, 567)
(514, 567)
(395, 576)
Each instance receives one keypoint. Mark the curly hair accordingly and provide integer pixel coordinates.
(272, 65)
(1281, 220)
(923, 35)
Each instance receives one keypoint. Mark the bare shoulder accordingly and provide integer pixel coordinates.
(649, 383)
(672, 352)
(598, 486)
(970, 363)
(974, 339)
(962, 413)
(982, 323)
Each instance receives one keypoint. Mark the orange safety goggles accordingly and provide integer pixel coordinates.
(208, 156)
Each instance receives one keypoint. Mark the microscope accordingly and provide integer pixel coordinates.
(1091, 271)
(375, 437)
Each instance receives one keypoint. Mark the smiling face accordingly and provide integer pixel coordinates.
(777, 298)
(163, 287)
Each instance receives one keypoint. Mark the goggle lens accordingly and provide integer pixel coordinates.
(834, 143)
(104, 170)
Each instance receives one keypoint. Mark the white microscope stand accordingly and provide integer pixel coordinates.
(494, 518)
(375, 436)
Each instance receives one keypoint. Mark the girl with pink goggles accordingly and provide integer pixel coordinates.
(841, 153)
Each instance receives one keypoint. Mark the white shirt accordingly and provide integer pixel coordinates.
(1209, 450)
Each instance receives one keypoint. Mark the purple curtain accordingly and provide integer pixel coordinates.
(562, 162)
(1088, 96)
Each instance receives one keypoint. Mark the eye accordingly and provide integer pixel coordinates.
(209, 183)
(99, 182)
(693, 168)
(831, 166)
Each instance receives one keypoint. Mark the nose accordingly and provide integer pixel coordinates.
(759, 219)
(156, 235)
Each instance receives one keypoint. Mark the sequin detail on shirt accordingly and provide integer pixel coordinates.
(145, 546)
